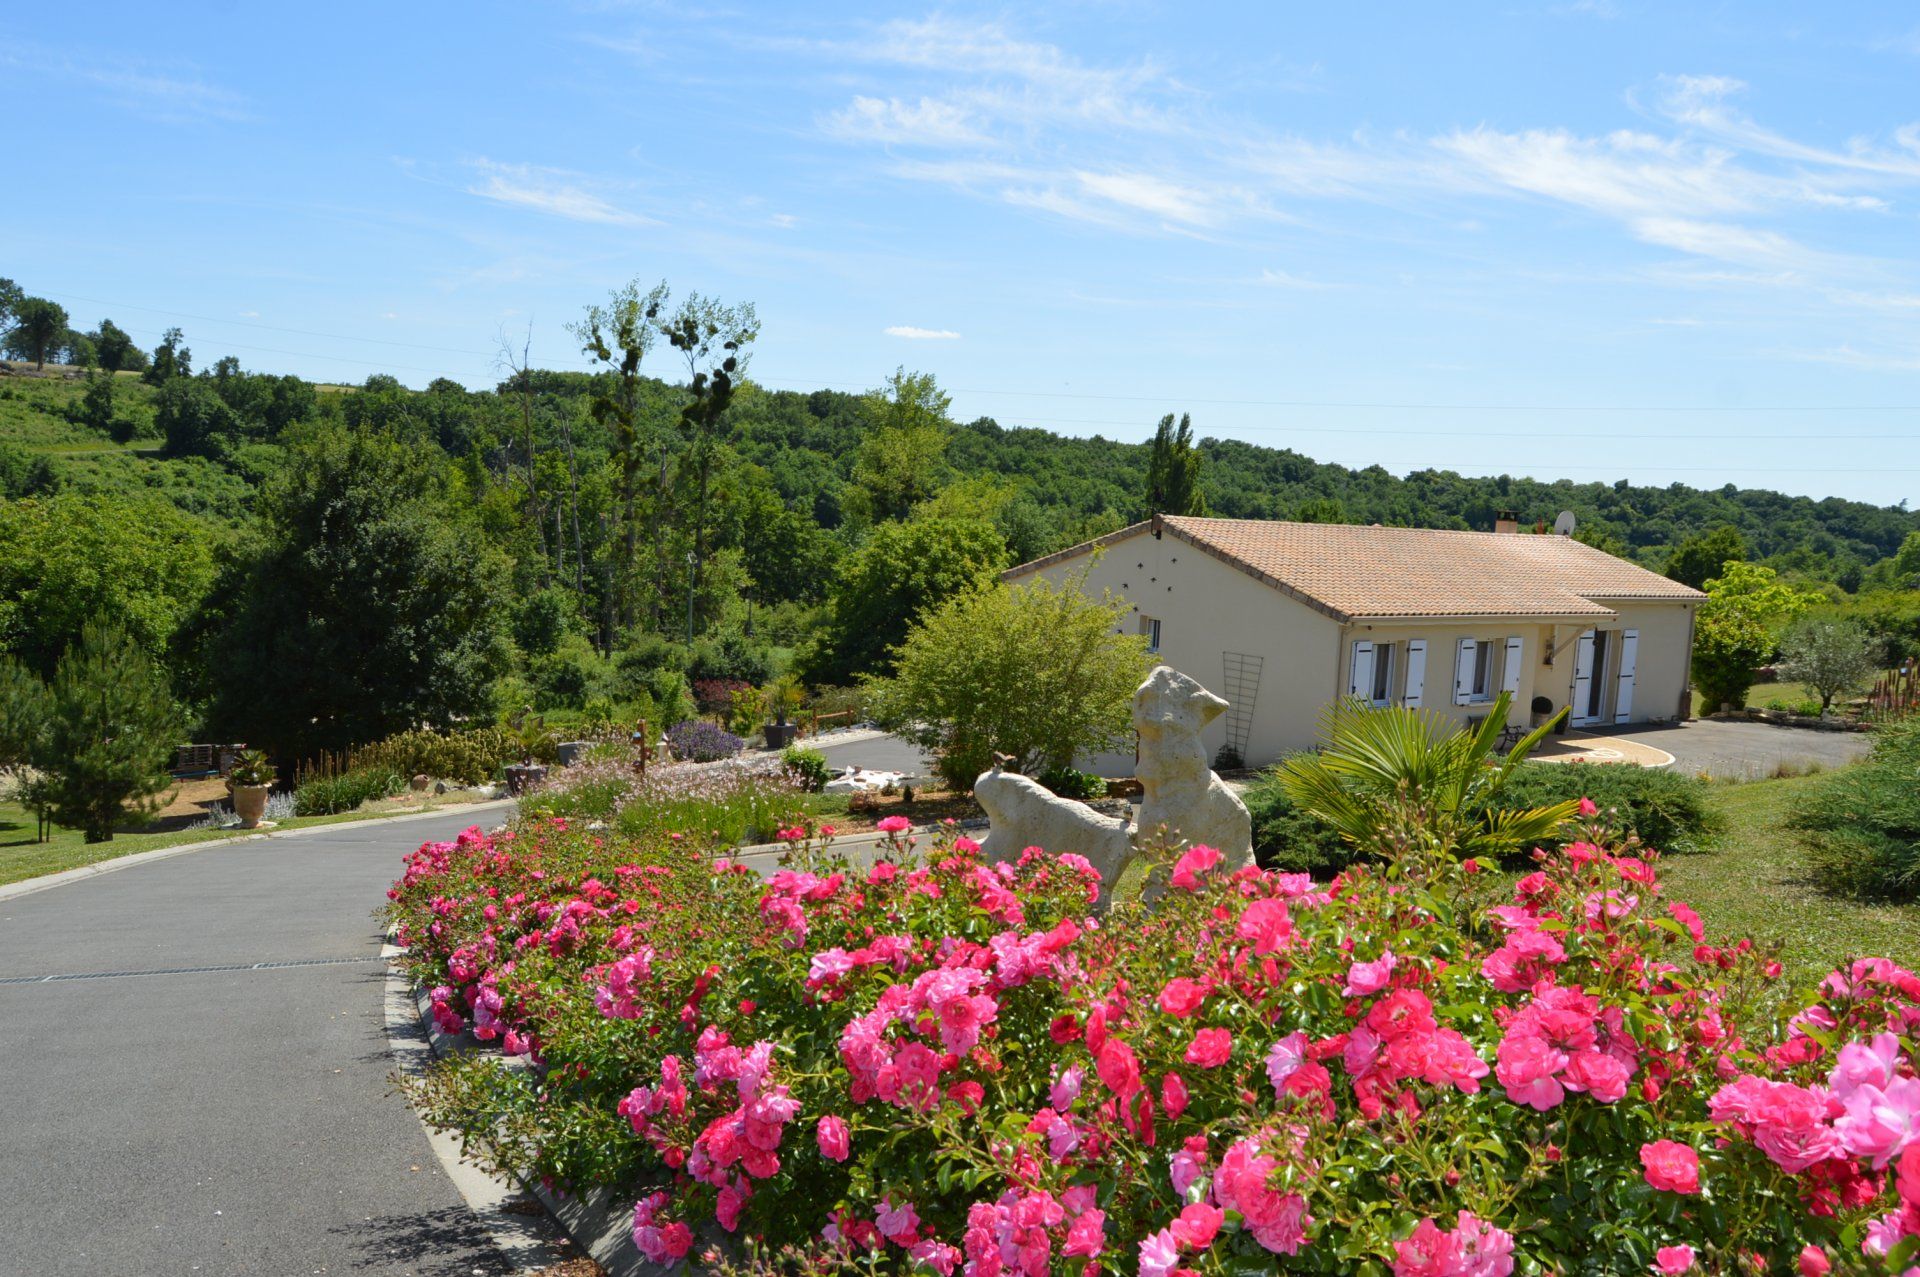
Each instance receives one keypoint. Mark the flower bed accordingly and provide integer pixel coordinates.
(741, 800)
(937, 1063)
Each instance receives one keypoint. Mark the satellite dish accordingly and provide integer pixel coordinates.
(1563, 526)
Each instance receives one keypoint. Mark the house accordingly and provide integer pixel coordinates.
(1283, 619)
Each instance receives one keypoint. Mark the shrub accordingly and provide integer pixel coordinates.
(566, 677)
(931, 1059)
(1668, 809)
(1069, 783)
(716, 695)
(808, 767)
(1862, 824)
(1287, 838)
(702, 742)
(1036, 671)
(730, 655)
(324, 795)
(472, 757)
(1832, 657)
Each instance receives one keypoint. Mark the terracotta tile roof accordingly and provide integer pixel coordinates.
(1352, 571)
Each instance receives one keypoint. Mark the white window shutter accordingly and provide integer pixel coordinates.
(1416, 673)
(1510, 672)
(1360, 670)
(1582, 676)
(1623, 698)
(1463, 672)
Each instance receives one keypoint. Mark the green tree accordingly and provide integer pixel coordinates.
(39, 329)
(1830, 656)
(24, 474)
(194, 420)
(1700, 558)
(116, 350)
(10, 298)
(96, 405)
(618, 336)
(712, 341)
(1173, 470)
(23, 713)
(370, 605)
(1906, 563)
(901, 458)
(1036, 671)
(1733, 630)
(109, 730)
(171, 359)
(1395, 779)
(1321, 510)
(901, 570)
(138, 561)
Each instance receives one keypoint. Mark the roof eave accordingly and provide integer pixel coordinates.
(1074, 551)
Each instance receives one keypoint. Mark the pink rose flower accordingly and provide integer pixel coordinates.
(1194, 862)
(1671, 1167)
(1209, 1048)
(1365, 978)
(1182, 997)
(1673, 1260)
(836, 1143)
(893, 824)
(1266, 923)
(1196, 1225)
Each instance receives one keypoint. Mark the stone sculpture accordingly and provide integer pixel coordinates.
(1182, 795)
(1023, 813)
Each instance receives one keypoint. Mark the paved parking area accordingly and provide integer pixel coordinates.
(1713, 747)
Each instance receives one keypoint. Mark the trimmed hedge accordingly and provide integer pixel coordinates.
(471, 757)
(1862, 824)
(1670, 810)
(1288, 839)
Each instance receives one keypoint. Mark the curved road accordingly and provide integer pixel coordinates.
(195, 1063)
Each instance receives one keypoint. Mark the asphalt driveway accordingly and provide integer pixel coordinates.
(195, 1060)
(1749, 750)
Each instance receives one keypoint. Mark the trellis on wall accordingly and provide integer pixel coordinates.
(1241, 687)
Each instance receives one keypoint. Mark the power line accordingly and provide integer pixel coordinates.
(1332, 404)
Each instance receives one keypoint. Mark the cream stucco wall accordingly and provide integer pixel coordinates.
(1207, 610)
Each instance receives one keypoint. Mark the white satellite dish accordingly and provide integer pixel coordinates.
(1563, 526)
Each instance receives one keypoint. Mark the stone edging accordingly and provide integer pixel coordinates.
(1779, 718)
(45, 882)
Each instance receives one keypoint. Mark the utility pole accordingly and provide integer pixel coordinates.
(691, 560)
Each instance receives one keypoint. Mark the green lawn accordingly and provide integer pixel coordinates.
(1755, 884)
(1760, 694)
(22, 858)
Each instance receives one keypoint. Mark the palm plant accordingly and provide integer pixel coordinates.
(1390, 779)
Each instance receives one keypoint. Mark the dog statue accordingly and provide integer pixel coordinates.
(1183, 797)
(1022, 813)
(1181, 792)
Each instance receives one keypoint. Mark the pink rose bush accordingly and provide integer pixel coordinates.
(937, 1063)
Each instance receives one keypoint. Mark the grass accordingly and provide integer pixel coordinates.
(22, 858)
(1760, 694)
(1755, 883)
(33, 414)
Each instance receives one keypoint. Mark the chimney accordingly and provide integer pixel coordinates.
(1506, 521)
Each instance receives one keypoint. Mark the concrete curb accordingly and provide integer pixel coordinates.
(596, 1223)
(47, 882)
(530, 1242)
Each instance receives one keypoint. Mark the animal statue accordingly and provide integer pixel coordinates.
(1023, 813)
(1181, 792)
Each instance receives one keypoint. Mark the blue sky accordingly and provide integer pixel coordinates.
(1591, 240)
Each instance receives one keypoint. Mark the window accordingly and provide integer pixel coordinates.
(1482, 687)
(1382, 690)
(1150, 626)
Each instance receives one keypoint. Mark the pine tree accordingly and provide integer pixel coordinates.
(110, 730)
(1173, 470)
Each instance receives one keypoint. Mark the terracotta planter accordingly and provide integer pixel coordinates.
(250, 804)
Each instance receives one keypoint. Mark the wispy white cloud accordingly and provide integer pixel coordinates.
(927, 122)
(169, 93)
(912, 333)
(1271, 278)
(556, 192)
